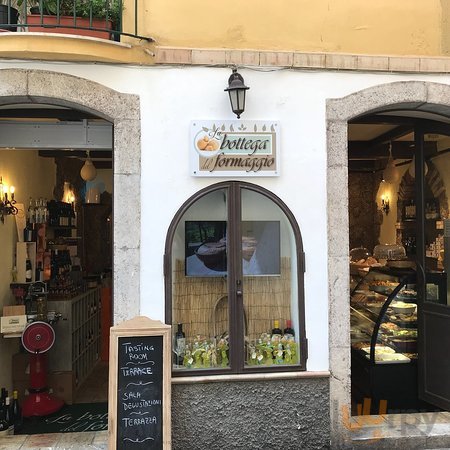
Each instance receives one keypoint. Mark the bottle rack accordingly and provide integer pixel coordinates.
(86, 333)
(78, 345)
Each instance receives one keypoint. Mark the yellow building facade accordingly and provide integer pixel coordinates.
(415, 28)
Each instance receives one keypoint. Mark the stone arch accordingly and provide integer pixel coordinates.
(123, 111)
(412, 95)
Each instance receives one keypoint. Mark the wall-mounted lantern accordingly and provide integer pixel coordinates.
(236, 90)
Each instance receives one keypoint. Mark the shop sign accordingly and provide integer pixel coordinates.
(234, 148)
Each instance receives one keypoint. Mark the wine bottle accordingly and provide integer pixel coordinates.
(289, 330)
(8, 416)
(276, 328)
(28, 270)
(180, 344)
(4, 427)
(39, 272)
(31, 218)
(16, 412)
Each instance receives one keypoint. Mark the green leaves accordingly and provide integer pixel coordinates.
(98, 9)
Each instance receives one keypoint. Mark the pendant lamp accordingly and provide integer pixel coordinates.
(88, 172)
(412, 168)
(391, 173)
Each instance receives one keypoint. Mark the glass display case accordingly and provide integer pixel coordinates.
(383, 314)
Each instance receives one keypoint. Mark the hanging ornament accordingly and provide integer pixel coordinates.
(391, 173)
(88, 172)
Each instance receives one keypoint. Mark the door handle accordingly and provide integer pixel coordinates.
(238, 288)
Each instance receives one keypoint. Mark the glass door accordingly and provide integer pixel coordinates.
(269, 267)
(200, 301)
(432, 164)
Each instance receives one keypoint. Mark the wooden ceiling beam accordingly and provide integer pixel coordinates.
(400, 150)
(391, 135)
(383, 120)
(81, 154)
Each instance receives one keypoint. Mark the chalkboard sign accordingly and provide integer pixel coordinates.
(140, 393)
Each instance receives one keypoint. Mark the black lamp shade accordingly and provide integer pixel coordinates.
(236, 90)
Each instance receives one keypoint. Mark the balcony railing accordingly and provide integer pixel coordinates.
(98, 18)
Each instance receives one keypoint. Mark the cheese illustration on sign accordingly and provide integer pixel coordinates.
(234, 148)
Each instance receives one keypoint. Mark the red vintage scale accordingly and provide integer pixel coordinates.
(38, 338)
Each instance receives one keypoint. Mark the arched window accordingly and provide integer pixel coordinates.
(234, 266)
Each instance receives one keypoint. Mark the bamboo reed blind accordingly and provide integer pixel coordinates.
(201, 305)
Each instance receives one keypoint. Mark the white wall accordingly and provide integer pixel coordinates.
(172, 97)
(34, 177)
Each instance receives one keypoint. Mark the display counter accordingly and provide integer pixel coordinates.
(383, 314)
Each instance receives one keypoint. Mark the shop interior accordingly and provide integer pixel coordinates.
(399, 181)
(56, 260)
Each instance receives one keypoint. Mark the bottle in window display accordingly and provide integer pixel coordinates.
(276, 330)
(188, 360)
(278, 354)
(290, 350)
(222, 347)
(289, 331)
(180, 345)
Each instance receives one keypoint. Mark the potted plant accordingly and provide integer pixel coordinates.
(79, 17)
(8, 16)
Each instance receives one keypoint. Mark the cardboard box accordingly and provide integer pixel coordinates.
(21, 367)
(61, 386)
(14, 310)
(13, 324)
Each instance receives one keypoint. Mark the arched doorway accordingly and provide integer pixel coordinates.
(34, 91)
(122, 110)
(415, 98)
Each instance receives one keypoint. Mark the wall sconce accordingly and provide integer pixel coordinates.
(236, 90)
(385, 204)
(68, 193)
(7, 206)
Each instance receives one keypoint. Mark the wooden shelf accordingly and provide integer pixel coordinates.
(78, 343)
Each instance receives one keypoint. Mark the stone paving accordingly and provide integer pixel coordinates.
(421, 431)
(58, 441)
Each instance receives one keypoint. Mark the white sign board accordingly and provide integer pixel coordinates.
(221, 148)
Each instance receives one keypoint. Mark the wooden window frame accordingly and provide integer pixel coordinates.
(234, 278)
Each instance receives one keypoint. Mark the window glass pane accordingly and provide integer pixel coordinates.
(270, 283)
(437, 224)
(199, 285)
